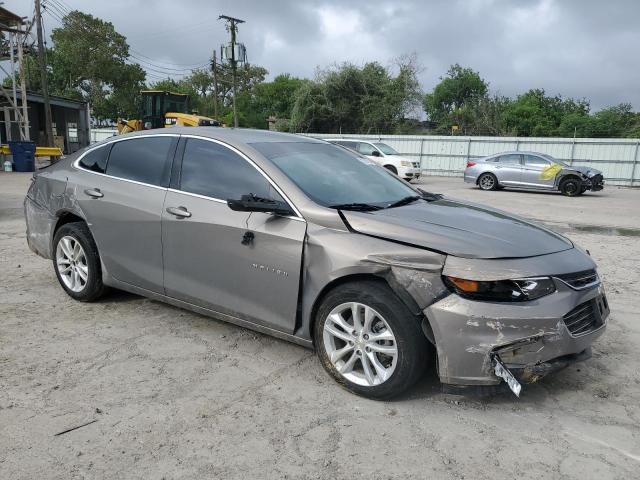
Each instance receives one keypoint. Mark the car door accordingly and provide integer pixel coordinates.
(122, 203)
(508, 168)
(246, 265)
(532, 170)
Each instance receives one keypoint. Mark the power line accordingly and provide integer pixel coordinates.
(146, 65)
(58, 13)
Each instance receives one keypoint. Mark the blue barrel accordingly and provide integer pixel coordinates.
(24, 156)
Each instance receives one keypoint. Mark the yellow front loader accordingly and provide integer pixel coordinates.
(165, 109)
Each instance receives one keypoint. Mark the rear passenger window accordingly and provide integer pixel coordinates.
(141, 159)
(213, 170)
(95, 160)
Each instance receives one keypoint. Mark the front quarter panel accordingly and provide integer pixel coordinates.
(334, 255)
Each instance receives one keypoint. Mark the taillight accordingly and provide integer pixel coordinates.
(470, 163)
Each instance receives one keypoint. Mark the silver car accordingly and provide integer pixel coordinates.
(532, 171)
(306, 241)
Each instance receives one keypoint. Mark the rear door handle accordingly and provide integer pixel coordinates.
(94, 192)
(180, 212)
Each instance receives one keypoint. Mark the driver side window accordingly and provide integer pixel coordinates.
(213, 170)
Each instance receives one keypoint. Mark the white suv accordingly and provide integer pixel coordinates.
(384, 155)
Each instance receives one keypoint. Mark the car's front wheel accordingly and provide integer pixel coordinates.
(571, 187)
(368, 340)
(76, 262)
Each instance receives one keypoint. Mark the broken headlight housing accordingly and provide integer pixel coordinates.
(519, 290)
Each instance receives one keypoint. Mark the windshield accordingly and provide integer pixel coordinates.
(386, 149)
(331, 175)
(555, 160)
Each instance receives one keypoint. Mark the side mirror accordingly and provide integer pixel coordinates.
(375, 153)
(251, 203)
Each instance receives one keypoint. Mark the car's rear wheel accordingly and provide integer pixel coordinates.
(571, 187)
(368, 340)
(488, 181)
(77, 263)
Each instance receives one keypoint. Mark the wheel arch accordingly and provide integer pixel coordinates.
(487, 172)
(65, 216)
(381, 278)
(568, 176)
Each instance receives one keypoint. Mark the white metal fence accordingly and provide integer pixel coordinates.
(618, 159)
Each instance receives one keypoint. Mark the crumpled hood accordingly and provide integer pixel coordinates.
(588, 171)
(460, 229)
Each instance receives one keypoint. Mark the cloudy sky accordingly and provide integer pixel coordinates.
(577, 48)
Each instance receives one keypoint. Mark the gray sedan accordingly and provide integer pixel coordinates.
(532, 171)
(303, 240)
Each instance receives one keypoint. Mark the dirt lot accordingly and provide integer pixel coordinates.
(177, 395)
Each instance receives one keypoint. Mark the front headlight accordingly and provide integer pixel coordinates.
(405, 163)
(519, 290)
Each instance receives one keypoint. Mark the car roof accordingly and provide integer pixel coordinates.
(232, 136)
(346, 140)
(518, 152)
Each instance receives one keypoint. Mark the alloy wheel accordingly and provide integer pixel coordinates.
(360, 344)
(487, 182)
(71, 262)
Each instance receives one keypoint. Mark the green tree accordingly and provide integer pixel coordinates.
(451, 101)
(534, 114)
(348, 98)
(616, 121)
(90, 60)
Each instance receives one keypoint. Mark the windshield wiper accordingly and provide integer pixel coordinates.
(404, 201)
(358, 207)
(430, 197)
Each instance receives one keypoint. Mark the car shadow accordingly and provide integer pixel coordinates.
(599, 194)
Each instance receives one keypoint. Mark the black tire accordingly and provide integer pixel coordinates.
(392, 169)
(93, 288)
(488, 181)
(571, 187)
(412, 346)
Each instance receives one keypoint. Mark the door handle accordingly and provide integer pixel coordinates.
(180, 212)
(94, 192)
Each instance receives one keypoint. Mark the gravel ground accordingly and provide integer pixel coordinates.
(172, 394)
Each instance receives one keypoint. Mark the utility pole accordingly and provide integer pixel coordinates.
(232, 26)
(43, 76)
(214, 67)
(23, 89)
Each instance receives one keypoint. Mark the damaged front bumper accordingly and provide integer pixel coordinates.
(595, 183)
(530, 340)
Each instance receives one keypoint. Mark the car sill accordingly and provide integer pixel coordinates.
(210, 313)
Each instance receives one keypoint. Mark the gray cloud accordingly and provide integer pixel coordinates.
(579, 48)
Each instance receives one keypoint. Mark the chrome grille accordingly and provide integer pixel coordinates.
(583, 319)
(580, 280)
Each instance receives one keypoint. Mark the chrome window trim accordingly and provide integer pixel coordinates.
(76, 165)
(76, 162)
(251, 162)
